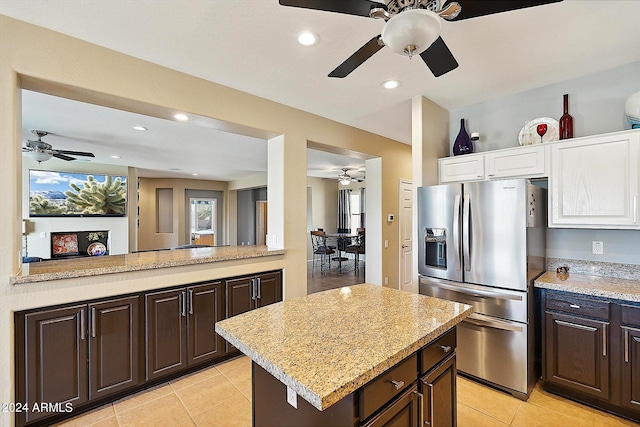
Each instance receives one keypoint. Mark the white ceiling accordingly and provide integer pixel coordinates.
(250, 45)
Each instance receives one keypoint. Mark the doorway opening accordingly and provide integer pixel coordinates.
(202, 221)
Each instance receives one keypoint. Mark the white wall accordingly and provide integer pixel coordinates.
(596, 102)
(39, 229)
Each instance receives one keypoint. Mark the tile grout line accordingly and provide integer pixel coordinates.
(183, 405)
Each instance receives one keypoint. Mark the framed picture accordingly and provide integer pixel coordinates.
(64, 244)
(68, 194)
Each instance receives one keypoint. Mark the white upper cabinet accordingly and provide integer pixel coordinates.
(593, 182)
(529, 161)
(467, 167)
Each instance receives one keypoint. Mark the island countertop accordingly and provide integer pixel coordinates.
(326, 345)
(606, 287)
(91, 266)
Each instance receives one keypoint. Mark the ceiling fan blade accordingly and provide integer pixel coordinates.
(351, 7)
(474, 8)
(439, 58)
(355, 60)
(63, 157)
(76, 153)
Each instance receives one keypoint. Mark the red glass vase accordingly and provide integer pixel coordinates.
(566, 121)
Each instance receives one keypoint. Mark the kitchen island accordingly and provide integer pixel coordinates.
(351, 354)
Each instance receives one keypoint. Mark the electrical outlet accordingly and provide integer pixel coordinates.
(386, 243)
(386, 280)
(292, 397)
(597, 247)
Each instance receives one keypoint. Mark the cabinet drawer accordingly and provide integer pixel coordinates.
(437, 350)
(578, 306)
(387, 385)
(630, 315)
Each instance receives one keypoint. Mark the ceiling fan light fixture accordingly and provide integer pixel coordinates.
(412, 31)
(38, 156)
(308, 38)
(345, 180)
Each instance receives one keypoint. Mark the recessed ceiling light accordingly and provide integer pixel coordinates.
(194, 174)
(181, 117)
(115, 157)
(391, 84)
(308, 38)
(139, 127)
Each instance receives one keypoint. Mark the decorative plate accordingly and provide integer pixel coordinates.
(529, 134)
(65, 244)
(96, 249)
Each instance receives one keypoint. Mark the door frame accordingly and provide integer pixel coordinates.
(409, 185)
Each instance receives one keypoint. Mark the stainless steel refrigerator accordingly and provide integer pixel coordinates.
(483, 243)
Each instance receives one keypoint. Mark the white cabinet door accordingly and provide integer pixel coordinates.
(594, 182)
(529, 161)
(467, 167)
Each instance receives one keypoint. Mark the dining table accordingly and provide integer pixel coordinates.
(342, 240)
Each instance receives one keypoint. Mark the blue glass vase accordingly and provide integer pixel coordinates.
(462, 144)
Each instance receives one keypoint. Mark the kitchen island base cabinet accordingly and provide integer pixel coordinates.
(394, 398)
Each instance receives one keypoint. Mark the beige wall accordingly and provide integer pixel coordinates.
(41, 60)
(429, 142)
(148, 237)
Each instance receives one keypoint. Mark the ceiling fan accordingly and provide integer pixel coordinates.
(412, 27)
(345, 179)
(40, 151)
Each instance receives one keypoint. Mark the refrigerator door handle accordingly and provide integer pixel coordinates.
(456, 230)
(486, 322)
(466, 229)
(478, 293)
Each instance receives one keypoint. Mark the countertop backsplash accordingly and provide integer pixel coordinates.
(595, 268)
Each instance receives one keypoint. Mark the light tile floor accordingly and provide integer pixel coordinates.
(221, 396)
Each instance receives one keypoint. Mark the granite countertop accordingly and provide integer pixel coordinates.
(91, 266)
(328, 344)
(606, 287)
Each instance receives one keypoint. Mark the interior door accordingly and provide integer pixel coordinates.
(406, 237)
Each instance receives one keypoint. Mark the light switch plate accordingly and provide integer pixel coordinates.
(292, 397)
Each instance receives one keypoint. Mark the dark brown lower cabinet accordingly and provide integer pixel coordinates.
(402, 412)
(577, 353)
(179, 327)
(113, 346)
(68, 357)
(251, 292)
(591, 351)
(52, 360)
(439, 390)
(395, 398)
(630, 334)
(631, 368)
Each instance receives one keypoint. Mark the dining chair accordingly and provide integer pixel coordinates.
(357, 248)
(320, 248)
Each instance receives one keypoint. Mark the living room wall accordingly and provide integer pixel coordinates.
(39, 229)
